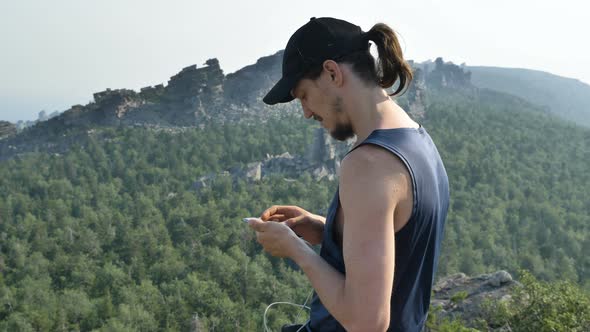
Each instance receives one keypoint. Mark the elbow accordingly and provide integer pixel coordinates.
(369, 323)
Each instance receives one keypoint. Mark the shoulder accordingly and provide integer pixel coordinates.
(374, 160)
(374, 170)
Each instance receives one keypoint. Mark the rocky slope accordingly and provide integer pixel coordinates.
(462, 297)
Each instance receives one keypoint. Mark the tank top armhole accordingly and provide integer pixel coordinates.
(410, 171)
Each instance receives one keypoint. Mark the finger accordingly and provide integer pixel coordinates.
(293, 221)
(277, 217)
(278, 210)
(257, 224)
(269, 212)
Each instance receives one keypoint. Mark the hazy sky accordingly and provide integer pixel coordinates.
(54, 54)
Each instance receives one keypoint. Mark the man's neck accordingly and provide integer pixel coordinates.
(377, 111)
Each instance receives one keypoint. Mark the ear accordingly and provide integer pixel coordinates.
(333, 69)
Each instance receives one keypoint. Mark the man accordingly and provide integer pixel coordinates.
(381, 237)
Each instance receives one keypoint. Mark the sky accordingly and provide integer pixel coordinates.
(55, 54)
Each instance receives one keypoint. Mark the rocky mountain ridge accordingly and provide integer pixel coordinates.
(196, 96)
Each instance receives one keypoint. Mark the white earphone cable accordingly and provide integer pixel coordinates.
(300, 306)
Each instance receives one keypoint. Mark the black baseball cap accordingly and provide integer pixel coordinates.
(318, 40)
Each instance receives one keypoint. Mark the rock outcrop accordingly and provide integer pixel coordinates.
(187, 98)
(321, 160)
(248, 85)
(416, 96)
(445, 74)
(7, 129)
(460, 296)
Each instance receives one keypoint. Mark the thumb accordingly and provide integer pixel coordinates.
(292, 221)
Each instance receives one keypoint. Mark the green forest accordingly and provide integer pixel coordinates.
(114, 236)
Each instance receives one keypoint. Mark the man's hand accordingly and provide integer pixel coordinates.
(305, 224)
(276, 237)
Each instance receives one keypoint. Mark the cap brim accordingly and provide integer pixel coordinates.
(281, 92)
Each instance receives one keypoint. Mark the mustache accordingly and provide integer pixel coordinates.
(317, 117)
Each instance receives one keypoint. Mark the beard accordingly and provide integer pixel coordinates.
(342, 130)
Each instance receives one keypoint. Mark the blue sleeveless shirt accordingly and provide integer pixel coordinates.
(417, 244)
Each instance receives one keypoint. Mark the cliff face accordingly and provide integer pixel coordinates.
(321, 160)
(7, 129)
(249, 84)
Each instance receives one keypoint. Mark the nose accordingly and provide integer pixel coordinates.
(306, 112)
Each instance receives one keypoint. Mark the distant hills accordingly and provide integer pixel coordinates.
(565, 97)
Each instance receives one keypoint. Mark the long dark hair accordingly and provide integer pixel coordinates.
(390, 65)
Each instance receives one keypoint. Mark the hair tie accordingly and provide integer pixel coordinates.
(369, 35)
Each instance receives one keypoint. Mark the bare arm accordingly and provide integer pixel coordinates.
(372, 182)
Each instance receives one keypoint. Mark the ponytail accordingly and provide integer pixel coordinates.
(391, 63)
(390, 66)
